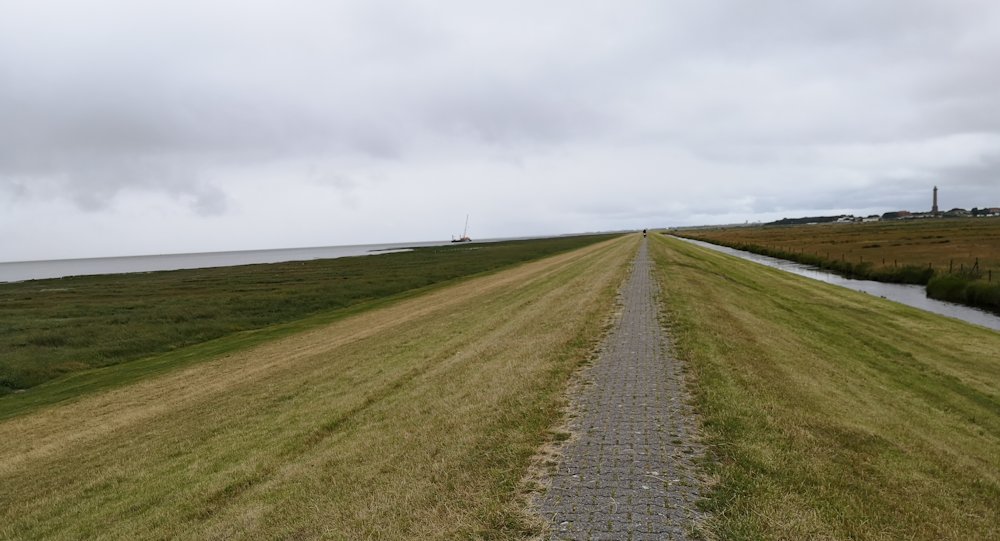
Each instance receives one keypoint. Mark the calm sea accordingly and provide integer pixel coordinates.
(34, 270)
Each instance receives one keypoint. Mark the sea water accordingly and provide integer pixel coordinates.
(34, 270)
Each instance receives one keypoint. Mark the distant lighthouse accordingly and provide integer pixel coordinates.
(934, 209)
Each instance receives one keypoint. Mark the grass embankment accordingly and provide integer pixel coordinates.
(49, 328)
(958, 259)
(831, 414)
(414, 420)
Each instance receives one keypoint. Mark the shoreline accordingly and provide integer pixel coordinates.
(45, 269)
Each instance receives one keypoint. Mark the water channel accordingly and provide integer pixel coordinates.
(911, 295)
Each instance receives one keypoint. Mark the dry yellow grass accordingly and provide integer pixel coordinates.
(944, 243)
(410, 421)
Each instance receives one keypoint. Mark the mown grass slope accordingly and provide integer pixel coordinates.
(831, 414)
(49, 328)
(413, 420)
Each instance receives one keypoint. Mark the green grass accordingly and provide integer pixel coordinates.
(966, 288)
(79, 384)
(51, 328)
(943, 244)
(415, 419)
(940, 253)
(830, 414)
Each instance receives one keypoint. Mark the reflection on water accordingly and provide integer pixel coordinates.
(910, 295)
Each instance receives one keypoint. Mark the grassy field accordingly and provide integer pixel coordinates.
(958, 259)
(943, 243)
(413, 420)
(50, 328)
(831, 414)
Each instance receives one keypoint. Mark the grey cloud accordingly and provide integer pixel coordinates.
(346, 187)
(496, 114)
(210, 201)
(972, 185)
(810, 104)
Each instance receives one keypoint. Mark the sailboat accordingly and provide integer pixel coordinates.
(465, 233)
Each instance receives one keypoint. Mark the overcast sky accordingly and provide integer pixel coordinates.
(178, 126)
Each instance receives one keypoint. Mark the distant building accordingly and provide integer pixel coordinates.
(957, 212)
(872, 218)
(899, 214)
(934, 207)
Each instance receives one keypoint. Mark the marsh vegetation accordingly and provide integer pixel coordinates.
(957, 259)
(51, 328)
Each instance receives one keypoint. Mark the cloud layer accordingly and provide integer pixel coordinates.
(184, 126)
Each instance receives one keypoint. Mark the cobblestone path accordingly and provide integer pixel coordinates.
(629, 471)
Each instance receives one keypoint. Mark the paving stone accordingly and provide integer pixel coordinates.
(630, 470)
